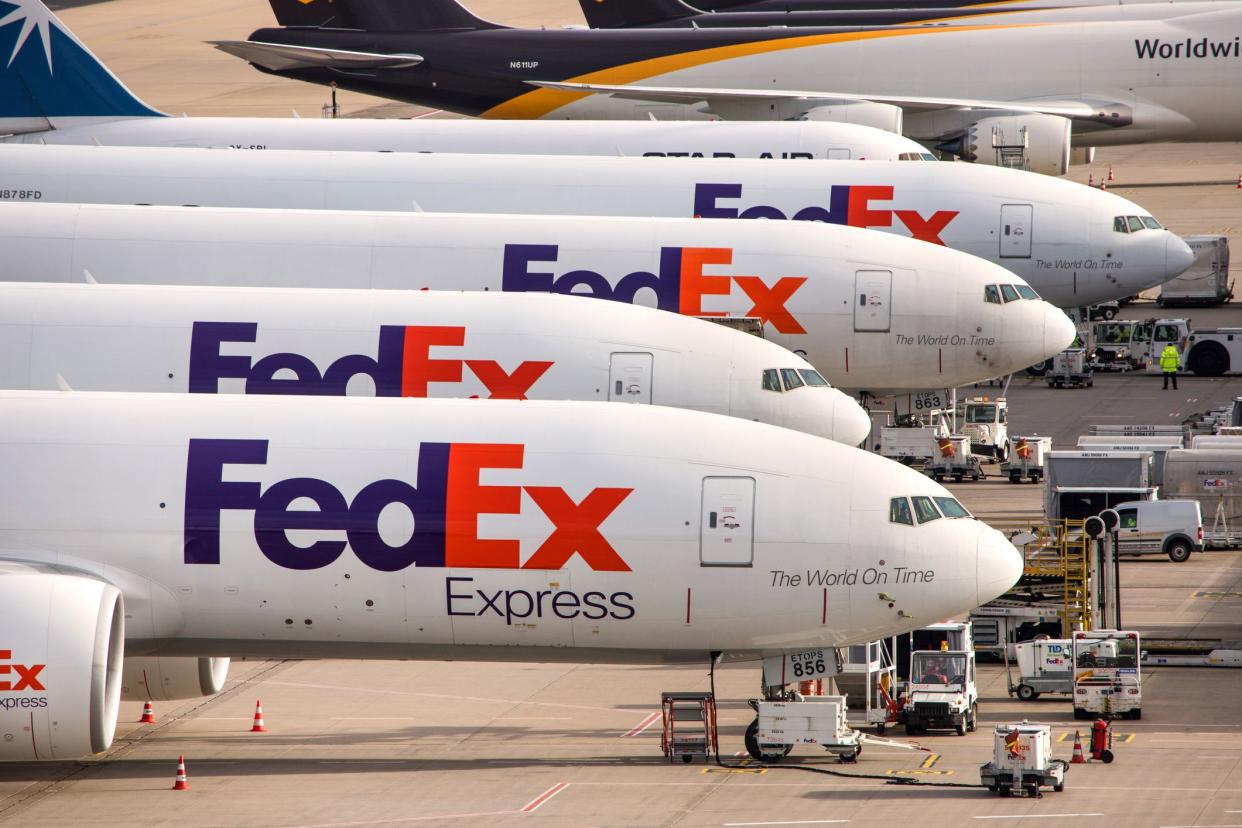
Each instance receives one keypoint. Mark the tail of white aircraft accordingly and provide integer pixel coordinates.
(49, 79)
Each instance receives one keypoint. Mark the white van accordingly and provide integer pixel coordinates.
(1166, 527)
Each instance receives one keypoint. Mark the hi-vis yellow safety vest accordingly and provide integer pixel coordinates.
(1169, 359)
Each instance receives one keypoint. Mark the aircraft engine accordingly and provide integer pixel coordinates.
(62, 640)
(1034, 141)
(163, 679)
(865, 113)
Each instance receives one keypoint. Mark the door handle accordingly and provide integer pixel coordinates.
(618, 388)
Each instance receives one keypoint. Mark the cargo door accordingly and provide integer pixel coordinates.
(873, 292)
(1015, 231)
(838, 153)
(629, 378)
(727, 533)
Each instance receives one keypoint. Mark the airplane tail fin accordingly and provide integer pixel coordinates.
(617, 14)
(379, 15)
(49, 79)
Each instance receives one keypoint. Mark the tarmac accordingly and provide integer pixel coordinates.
(358, 743)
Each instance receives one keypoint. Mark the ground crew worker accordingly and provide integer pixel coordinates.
(1169, 360)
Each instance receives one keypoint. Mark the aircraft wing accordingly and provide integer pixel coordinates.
(283, 56)
(683, 95)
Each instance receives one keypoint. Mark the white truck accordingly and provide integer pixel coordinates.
(1108, 681)
(941, 692)
(1044, 666)
(985, 420)
(1026, 457)
(1160, 527)
(1135, 344)
(1206, 281)
(1213, 352)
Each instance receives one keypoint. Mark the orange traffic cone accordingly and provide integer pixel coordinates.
(1103, 184)
(258, 719)
(148, 714)
(1078, 758)
(1090, 180)
(182, 783)
(1110, 173)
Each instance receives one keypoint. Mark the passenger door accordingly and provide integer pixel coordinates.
(727, 531)
(629, 378)
(838, 153)
(1128, 535)
(873, 292)
(1015, 231)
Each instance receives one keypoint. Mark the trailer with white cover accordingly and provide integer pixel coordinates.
(1213, 477)
(1044, 666)
(1206, 281)
(1070, 369)
(814, 720)
(1026, 458)
(1022, 761)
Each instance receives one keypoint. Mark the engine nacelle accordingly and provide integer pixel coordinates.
(1034, 141)
(865, 113)
(164, 679)
(62, 640)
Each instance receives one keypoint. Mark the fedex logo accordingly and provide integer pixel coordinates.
(403, 365)
(15, 678)
(847, 204)
(680, 285)
(445, 501)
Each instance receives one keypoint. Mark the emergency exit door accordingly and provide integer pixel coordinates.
(838, 153)
(873, 297)
(727, 533)
(629, 378)
(1015, 231)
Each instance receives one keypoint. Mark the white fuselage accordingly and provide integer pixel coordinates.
(1057, 235)
(870, 311)
(251, 525)
(1177, 89)
(781, 140)
(208, 340)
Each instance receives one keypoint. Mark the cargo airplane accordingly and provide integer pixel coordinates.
(1081, 84)
(1073, 244)
(871, 312)
(210, 340)
(81, 102)
(274, 527)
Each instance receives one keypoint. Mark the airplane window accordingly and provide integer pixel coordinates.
(1009, 293)
(1027, 292)
(899, 511)
(771, 380)
(924, 508)
(951, 508)
(1136, 223)
(792, 380)
(927, 156)
(991, 293)
(1120, 225)
(812, 378)
(1151, 223)
(908, 156)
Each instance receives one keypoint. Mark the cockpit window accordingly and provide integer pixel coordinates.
(812, 378)
(1027, 292)
(1010, 294)
(1120, 225)
(991, 293)
(899, 511)
(771, 380)
(1136, 223)
(951, 508)
(925, 509)
(1151, 224)
(792, 380)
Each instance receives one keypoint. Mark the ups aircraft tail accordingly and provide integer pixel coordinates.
(49, 79)
(379, 15)
(618, 14)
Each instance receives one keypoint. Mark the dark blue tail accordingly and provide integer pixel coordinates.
(48, 76)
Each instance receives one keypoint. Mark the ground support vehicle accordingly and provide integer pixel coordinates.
(1212, 478)
(1107, 675)
(910, 445)
(1044, 666)
(1026, 459)
(1206, 281)
(941, 692)
(1022, 761)
(868, 678)
(1213, 352)
(1081, 484)
(1070, 370)
(985, 421)
(1160, 527)
(953, 459)
(813, 720)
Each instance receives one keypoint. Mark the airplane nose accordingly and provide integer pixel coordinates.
(998, 565)
(1059, 331)
(1177, 257)
(850, 421)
